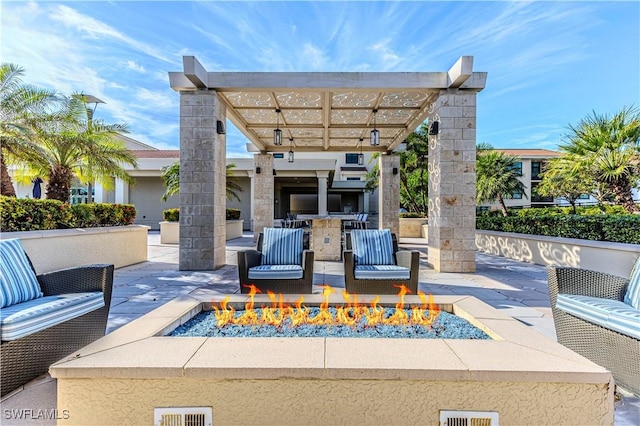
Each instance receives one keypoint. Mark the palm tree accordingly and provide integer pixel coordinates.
(171, 178)
(20, 106)
(559, 180)
(608, 148)
(496, 177)
(69, 147)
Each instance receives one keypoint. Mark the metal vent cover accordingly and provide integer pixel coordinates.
(183, 416)
(468, 418)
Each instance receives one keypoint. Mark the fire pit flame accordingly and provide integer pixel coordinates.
(350, 314)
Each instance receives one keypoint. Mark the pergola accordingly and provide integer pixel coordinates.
(327, 112)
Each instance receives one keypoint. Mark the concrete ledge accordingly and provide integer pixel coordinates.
(411, 227)
(602, 256)
(64, 248)
(170, 231)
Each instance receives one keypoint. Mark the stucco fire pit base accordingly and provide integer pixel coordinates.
(522, 375)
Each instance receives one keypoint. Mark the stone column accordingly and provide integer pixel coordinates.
(252, 180)
(262, 194)
(322, 192)
(452, 183)
(203, 178)
(389, 193)
(122, 191)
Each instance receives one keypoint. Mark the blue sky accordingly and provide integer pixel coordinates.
(549, 64)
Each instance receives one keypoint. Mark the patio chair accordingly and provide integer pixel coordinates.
(279, 264)
(598, 316)
(374, 265)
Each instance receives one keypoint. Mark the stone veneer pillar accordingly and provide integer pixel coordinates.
(452, 183)
(202, 182)
(263, 186)
(322, 192)
(389, 193)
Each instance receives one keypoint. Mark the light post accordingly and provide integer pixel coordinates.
(90, 99)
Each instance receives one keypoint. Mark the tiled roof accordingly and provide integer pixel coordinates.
(160, 153)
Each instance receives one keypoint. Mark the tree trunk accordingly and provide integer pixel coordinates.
(6, 185)
(503, 206)
(59, 184)
(623, 196)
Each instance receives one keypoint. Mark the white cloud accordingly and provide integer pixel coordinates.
(387, 56)
(314, 56)
(132, 65)
(155, 99)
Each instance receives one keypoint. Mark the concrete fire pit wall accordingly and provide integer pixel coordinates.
(324, 402)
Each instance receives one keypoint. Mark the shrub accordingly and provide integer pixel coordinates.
(173, 215)
(26, 214)
(412, 215)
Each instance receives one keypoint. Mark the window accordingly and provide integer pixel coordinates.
(517, 195)
(278, 155)
(351, 158)
(584, 197)
(353, 178)
(517, 167)
(536, 168)
(537, 198)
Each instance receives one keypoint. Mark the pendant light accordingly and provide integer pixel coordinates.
(375, 133)
(277, 133)
(291, 150)
(361, 155)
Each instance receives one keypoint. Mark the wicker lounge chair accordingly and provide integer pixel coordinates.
(263, 268)
(597, 341)
(365, 275)
(25, 358)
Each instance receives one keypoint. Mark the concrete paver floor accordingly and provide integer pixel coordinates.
(519, 289)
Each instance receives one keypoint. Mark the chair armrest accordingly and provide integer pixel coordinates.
(584, 282)
(407, 258)
(80, 279)
(307, 259)
(349, 265)
(247, 259)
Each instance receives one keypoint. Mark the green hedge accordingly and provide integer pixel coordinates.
(26, 214)
(622, 228)
(173, 215)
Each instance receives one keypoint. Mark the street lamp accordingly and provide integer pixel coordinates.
(90, 99)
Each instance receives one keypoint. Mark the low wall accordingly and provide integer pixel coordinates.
(602, 256)
(65, 248)
(411, 227)
(170, 231)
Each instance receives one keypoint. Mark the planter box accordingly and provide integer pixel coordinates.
(411, 227)
(170, 231)
(602, 256)
(65, 248)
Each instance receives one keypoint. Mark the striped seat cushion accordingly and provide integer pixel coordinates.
(372, 247)
(381, 272)
(632, 296)
(35, 315)
(282, 246)
(18, 282)
(275, 272)
(611, 314)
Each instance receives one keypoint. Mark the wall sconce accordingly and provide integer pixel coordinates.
(291, 150)
(220, 127)
(258, 170)
(361, 155)
(395, 170)
(434, 127)
(375, 133)
(274, 172)
(277, 133)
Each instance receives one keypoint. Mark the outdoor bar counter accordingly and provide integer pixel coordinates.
(326, 234)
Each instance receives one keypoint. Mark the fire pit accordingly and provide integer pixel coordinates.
(518, 377)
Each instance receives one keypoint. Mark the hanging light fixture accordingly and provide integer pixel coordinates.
(291, 150)
(375, 133)
(361, 155)
(277, 133)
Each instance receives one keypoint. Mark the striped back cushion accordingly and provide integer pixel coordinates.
(632, 296)
(282, 246)
(372, 247)
(18, 282)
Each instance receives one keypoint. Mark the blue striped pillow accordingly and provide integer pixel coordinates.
(372, 247)
(632, 296)
(18, 282)
(282, 246)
